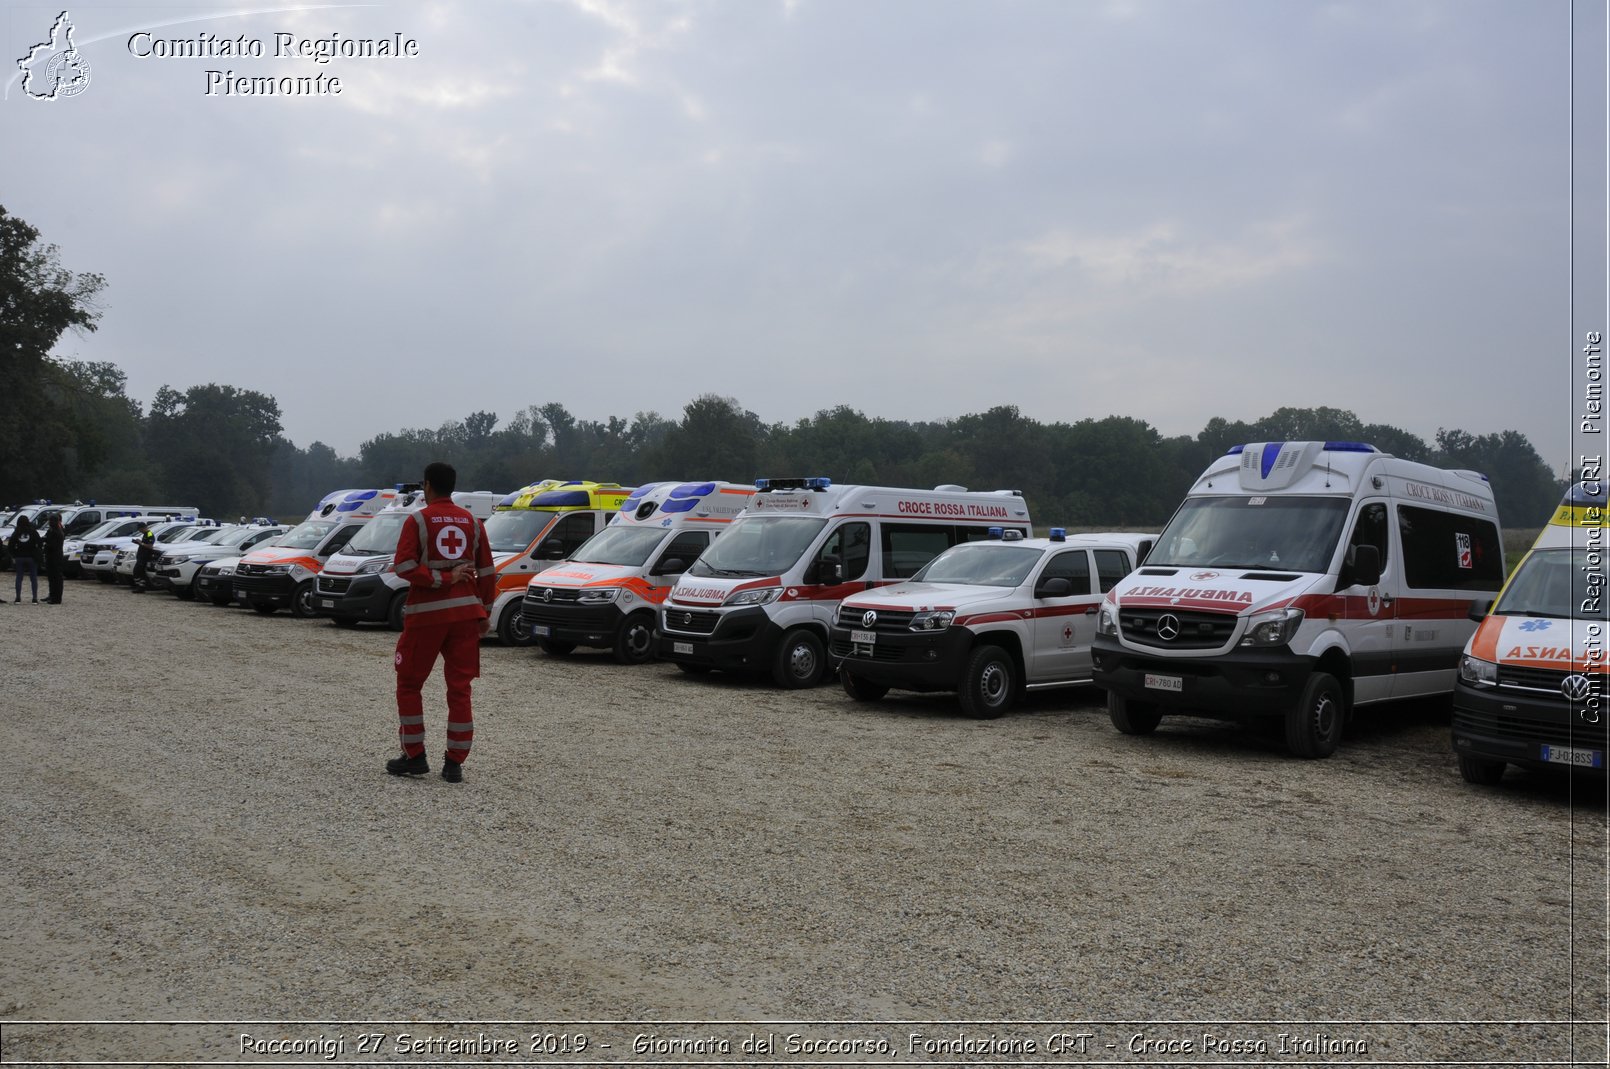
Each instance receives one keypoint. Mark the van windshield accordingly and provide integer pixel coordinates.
(307, 535)
(513, 530)
(1289, 534)
(980, 564)
(1552, 583)
(378, 536)
(758, 545)
(628, 546)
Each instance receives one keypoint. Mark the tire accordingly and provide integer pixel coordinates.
(860, 689)
(556, 647)
(512, 628)
(634, 642)
(1481, 772)
(693, 669)
(264, 607)
(302, 600)
(394, 611)
(1132, 717)
(186, 592)
(222, 600)
(1314, 724)
(989, 683)
(799, 661)
(103, 577)
(343, 621)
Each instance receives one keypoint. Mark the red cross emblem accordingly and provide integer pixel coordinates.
(1067, 633)
(451, 543)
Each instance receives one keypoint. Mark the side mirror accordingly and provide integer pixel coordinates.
(829, 570)
(1479, 610)
(1363, 566)
(674, 566)
(1053, 588)
(553, 549)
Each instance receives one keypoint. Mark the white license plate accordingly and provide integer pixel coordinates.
(1573, 755)
(864, 638)
(682, 647)
(327, 603)
(541, 630)
(1174, 683)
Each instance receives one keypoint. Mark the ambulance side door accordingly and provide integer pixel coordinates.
(1063, 627)
(1368, 612)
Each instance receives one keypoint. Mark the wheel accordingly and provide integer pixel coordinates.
(302, 600)
(693, 669)
(512, 628)
(103, 577)
(186, 592)
(1314, 724)
(1132, 717)
(634, 642)
(989, 683)
(1479, 771)
(343, 621)
(556, 647)
(799, 660)
(264, 607)
(860, 689)
(222, 600)
(394, 612)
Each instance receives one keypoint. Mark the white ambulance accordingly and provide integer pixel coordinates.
(358, 583)
(1532, 682)
(609, 591)
(763, 597)
(989, 620)
(1297, 581)
(281, 576)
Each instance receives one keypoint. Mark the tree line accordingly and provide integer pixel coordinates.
(68, 430)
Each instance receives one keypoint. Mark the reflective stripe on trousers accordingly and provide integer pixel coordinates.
(459, 646)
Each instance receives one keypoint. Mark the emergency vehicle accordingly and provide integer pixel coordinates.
(281, 576)
(608, 592)
(81, 518)
(199, 532)
(1299, 580)
(763, 597)
(358, 583)
(989, 620)
(98, 557)
(1531, 688)
(73, 549)
(180, 565)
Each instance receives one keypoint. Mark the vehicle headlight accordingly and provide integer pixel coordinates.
(1477, 672)
(762, 595)
(598, 595)
(1107, 620)
(275, 569)
(225, 569)
(935, 620)
(378, 564)
(1272, 628)
(180, 559)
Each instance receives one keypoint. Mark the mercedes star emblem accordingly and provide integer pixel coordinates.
(1168, 627)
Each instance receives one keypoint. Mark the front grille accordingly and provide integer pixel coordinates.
(843, 649)
(552, 593)
(328, 585)
(1544, 682)
(890, 621)
(262, 584)
(691, 622)
(1554, 731)
(1196, 630)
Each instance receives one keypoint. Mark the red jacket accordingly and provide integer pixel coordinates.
(438, 537)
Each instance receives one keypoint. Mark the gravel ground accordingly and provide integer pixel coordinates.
(198, 829)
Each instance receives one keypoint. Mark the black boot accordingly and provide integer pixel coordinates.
(408, 766)
(452, 771)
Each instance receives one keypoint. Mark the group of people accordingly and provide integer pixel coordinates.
(28, 549)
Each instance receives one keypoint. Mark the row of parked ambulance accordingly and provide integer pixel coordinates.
(1297, 582)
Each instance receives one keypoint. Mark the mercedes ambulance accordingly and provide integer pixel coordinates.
(281, 576)
(609, 591)
(763, 597)
(1531, 688)
(358, 583)
(989, 620)
(1298, 581)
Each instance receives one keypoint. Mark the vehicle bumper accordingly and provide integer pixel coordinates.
(276, 590)
(209, 586)
(357, 597)
(743, 640)
(585, 625)
(906, 661)
(1231, 685)
(1519, 729)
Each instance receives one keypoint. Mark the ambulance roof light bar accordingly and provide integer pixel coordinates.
(818, 483)
(1329, 447)
(996, 533)
(1059, 534)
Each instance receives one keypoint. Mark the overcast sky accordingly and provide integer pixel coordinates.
(1164, 209)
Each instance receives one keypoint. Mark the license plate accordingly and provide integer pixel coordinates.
(1174, 683)
(1573, 755)
(864, 638)
(541, 630)
(682, 647)
(326, 603)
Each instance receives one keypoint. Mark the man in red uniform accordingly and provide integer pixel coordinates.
(444, 554)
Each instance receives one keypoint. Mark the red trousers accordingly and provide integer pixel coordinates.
(459, 644)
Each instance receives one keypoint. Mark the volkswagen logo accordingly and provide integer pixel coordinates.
(1576, 688)
(1168, 627)
(869, 619)
(547, 593)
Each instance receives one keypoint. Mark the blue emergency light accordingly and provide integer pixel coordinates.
(1059, 534)
(996, 532)
(820, 482)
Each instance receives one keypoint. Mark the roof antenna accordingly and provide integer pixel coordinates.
(1327, 469)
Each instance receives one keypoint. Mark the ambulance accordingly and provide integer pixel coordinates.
(764, 596)
(989, 620)
(609, 591)
(358, 583)
(1296, 582)
(1531, 688)
(533, 529)
(281, 576)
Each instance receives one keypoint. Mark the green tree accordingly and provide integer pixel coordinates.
(213, 444)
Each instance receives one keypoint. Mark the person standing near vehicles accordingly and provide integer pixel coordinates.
(54, 536)
(144, 554)
(26, 547)
(444, 555)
